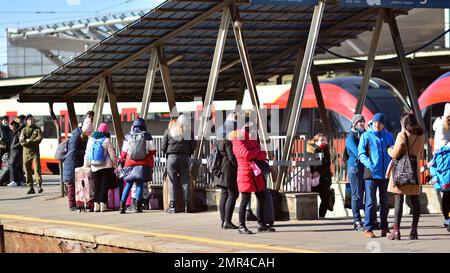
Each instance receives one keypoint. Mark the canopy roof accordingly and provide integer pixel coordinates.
(187, 30)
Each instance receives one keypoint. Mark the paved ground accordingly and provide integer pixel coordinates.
(157, 231)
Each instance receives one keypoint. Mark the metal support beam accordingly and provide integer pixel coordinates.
(251, 85)
(112, 98)
(213, 78)
(298, 66)
(241, 94)
(149, 82)
(98, 108)
(406, 72)
(319, 98)
(300, 90)
(370, 62)
(58, 137)
(167, 83)
(72, 114)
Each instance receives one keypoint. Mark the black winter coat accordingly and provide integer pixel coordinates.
(15, 156)
(76, 149)
(325, 168)
(178, 145)
(228, 167)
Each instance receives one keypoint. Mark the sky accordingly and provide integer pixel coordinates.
(27, 13)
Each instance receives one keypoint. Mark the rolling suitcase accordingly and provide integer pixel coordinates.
(84, 189)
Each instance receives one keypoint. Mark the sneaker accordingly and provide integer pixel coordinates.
(358, 226)
(12, 184)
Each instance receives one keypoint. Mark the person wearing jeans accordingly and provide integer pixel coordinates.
(355, 169)
(372, 152)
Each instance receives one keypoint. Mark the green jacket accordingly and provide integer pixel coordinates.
(34, 134)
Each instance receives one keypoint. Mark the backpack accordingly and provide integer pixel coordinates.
(214, 161)
(97, 154)
(137, 147)
(61, 151)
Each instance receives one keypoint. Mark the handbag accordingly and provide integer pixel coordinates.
(138, 172)
(405, 169)
(260, 167)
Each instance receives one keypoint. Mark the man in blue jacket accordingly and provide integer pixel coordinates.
(372, 152)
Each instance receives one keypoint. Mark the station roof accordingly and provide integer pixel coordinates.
(187, 30)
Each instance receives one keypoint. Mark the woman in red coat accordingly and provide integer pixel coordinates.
(246, 149)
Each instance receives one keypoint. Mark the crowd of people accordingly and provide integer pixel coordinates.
(377, 162)
(373, 158)
(19, 150)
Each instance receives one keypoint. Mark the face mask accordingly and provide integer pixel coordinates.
(360, 130)
(323, 146)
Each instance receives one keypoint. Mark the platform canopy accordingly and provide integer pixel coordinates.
(187, 32)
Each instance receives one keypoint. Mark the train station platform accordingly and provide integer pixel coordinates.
(43, 223)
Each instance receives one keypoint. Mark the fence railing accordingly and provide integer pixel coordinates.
(297, 165)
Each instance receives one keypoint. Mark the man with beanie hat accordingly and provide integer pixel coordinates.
(30, 138)
(355, 169)
(372, 152)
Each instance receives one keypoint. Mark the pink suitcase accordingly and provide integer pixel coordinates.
(84, 188)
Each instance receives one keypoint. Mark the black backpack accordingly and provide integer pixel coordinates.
(215, 161)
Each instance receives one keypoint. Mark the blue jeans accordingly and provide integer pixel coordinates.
(139, 191)
(371, 203)
(356, 179)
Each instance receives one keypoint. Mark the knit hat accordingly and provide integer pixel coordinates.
(357, 118)
(87, 126)
(103, 128)
(378, 117)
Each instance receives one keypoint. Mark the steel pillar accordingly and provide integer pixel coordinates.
(98, 108)
(370, 62)
(300, 89)
(319, 98)
(149, 82)
(112, 98)
(72, 114)
(251, 85)
(58, 137)
(406, 72)
(213, 78)
(167, 82)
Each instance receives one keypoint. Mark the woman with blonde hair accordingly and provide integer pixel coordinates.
(178, 149)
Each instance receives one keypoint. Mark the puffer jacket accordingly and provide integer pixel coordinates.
(440, 170)
(110, 161)
(442, 136)
(76, 148)
(372, 152)
(247, 150)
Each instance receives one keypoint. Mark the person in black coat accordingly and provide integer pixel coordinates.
(76, 148)
(226, 179)
(319, 145)
(15, 156)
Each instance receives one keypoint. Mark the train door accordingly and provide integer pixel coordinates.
(128, 114)
(64, 123)
(12, 115)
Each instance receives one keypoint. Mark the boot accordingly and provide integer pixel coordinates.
(250, 216)
(40, 189)
(229, 225)
(145, 204)
(31, 190)
(123, 207)
(172, 206)
(96, 207)
(103, 207)
(244, 230)
(139, 206)
(187, 208)
(395, 234)
(413, 235)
